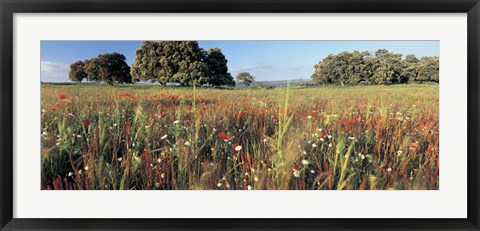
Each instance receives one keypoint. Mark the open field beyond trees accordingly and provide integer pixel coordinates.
(153, 137)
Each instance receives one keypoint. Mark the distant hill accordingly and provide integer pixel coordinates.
(284, 83)
(280, 83)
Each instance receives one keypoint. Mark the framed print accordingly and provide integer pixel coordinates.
(245, 115)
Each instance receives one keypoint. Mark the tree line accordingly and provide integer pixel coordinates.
(383, 67)
(110, 68)
(187, 64)
(182, 62)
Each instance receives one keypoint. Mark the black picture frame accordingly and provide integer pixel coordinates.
(9, 7)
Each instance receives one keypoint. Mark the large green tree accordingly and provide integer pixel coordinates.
(182, 62)
(113, 69)
(350, 68)
(151, 64)
(344, 68)
(322, 74)
(77, 72)
(389, 67)
(170, 61)
(410, 67)
(428, 69)
(109, 68)
(92, 69)
(218, 74)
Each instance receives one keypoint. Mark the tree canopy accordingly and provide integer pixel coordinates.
(109, 68)
(77, 72)
(182, 62)
(218, 74)
(384, 67)
(245, 78)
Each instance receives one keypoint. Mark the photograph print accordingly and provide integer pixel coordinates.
(239, 115)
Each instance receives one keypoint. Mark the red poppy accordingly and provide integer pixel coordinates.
(155, 104)
(61, 96)
(85, 123)
(414, 145)
(295, 167)
(234, 146)
(380, 134)
(160, 114)
(224, 136)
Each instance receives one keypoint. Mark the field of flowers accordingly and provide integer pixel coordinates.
(151, 137)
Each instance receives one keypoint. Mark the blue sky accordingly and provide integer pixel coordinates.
(266, 60)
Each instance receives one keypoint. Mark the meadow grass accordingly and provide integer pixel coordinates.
(153, 137)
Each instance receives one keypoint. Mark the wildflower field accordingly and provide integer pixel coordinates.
(146, 137)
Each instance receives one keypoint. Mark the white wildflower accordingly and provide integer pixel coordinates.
(296, 173)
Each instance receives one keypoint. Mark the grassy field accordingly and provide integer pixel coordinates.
(149, 137)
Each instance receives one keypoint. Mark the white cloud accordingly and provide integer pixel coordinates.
(252, 68)
(267, 67)
(54, 72)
